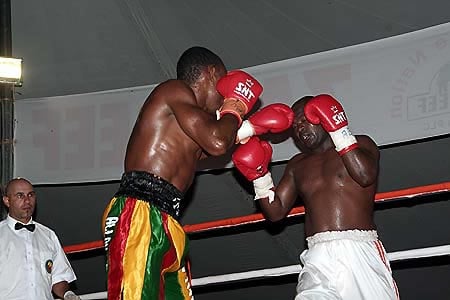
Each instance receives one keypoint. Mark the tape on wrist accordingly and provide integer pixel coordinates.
(220, 113)
(343, 139)
(245, 131)
(263, 187)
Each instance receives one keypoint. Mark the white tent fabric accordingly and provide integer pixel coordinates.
(394, 89)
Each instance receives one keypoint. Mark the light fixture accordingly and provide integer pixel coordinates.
(11, 70)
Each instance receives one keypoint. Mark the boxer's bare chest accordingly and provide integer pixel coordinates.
(320, 172)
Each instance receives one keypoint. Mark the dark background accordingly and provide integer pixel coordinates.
(74, 212)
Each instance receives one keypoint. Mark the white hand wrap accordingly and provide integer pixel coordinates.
(263, 186)
(245, 131)
(342, 138)
(69, 295)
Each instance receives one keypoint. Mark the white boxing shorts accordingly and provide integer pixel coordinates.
(348, 264)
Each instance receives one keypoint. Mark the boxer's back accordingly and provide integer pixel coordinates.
(157, 144)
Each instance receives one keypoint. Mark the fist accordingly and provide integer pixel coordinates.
(69, 295)
(327, 111)
(273, 118)
(240, 90)
(252, 158)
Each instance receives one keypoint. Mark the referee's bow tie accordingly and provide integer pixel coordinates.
(29, 227)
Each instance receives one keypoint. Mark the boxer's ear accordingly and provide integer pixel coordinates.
(212, 74)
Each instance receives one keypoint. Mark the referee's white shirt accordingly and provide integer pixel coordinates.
(31, 262)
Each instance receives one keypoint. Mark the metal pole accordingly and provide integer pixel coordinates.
(6, 103)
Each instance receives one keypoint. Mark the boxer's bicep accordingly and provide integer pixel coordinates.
(213, 136)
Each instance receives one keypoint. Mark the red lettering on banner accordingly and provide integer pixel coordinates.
(325, 79)
(49, 138)
(115, 134)
(80, 137)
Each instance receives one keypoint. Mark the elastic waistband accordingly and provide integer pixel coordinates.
(153, 189)
(355, 235)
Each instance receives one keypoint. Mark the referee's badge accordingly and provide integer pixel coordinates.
(49, 266)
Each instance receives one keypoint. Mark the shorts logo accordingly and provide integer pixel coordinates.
(49, 266)
(110, 224)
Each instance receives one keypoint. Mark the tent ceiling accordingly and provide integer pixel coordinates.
(83, 46)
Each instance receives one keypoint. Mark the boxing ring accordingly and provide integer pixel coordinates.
(403, 195)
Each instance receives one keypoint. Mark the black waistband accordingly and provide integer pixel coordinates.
(153, 189)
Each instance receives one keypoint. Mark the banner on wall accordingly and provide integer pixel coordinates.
(394, 89)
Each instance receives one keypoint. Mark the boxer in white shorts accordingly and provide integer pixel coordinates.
(335, 176)
(348, 264)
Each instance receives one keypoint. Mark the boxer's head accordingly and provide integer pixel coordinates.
(200, 68)
(306, 136)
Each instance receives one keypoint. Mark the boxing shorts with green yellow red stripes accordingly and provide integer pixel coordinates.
(146, 246)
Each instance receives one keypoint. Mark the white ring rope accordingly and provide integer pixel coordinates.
(281, 271)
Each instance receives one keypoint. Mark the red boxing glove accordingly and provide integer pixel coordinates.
(327, 111)
(273, 118)
(241, 91)
(252, 160)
